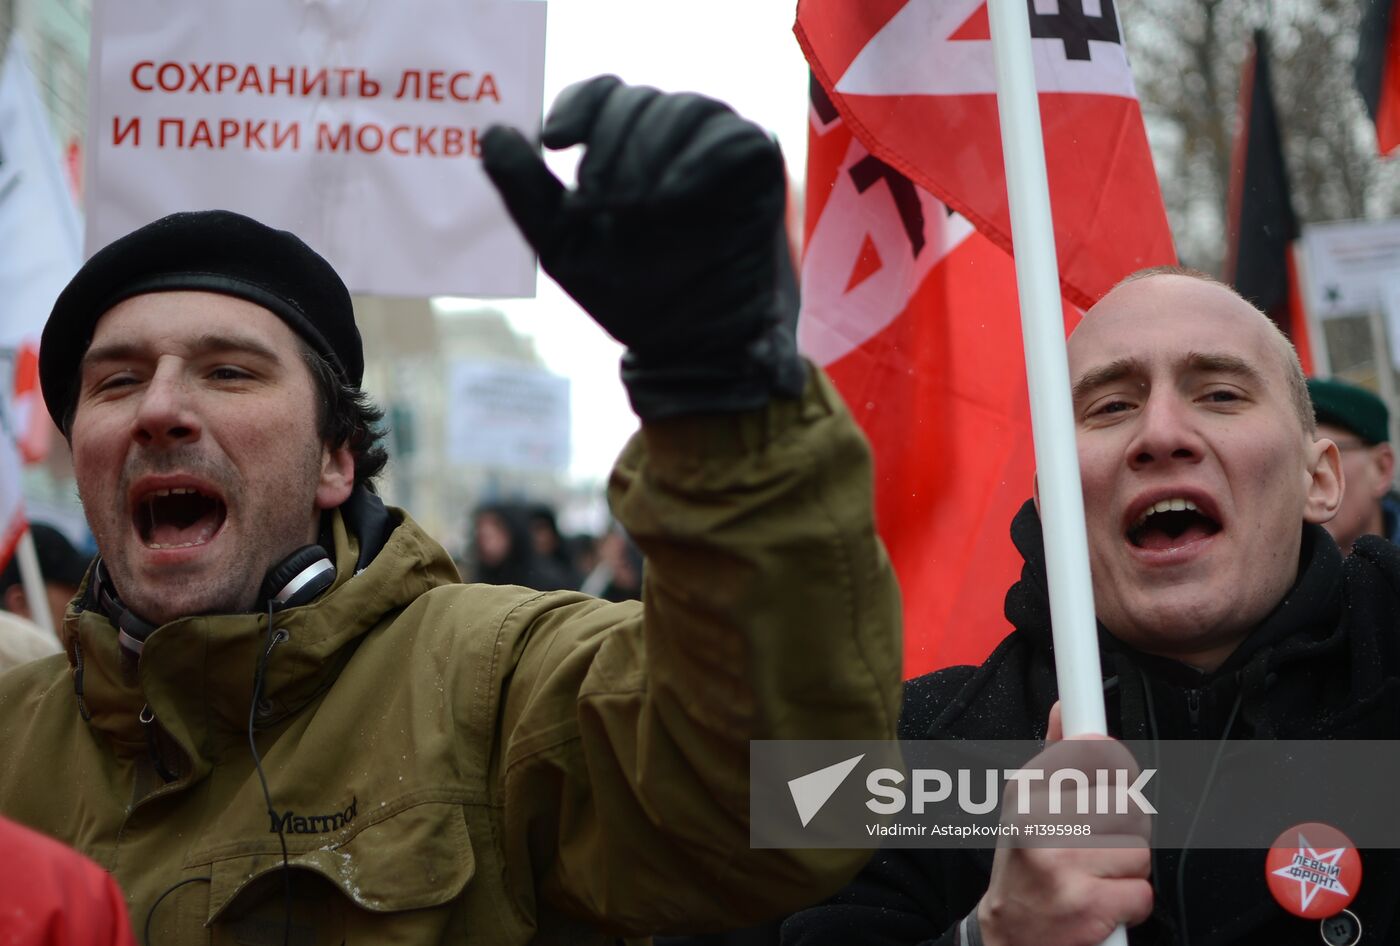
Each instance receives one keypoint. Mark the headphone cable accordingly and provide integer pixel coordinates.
(274, 637)
(151, 913)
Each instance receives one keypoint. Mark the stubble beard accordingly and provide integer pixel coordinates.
(265, 529)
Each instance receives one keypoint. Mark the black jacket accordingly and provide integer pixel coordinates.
(1325, 664)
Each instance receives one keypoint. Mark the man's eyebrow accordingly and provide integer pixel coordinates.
(1206, 363)
(202, 345)
(1196, 362)
(1106, 374)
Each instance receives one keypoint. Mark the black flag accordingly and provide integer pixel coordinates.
(1261, 224)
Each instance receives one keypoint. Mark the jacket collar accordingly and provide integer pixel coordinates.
(196, 674)
(1304, 621)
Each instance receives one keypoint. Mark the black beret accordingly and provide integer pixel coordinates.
(212, 251)
(1350, 407)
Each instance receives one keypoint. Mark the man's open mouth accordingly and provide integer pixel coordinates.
(177, 518)
(1170, 524)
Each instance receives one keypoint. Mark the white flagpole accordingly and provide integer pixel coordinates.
(1047, 376)
(35, 591)
(1047, 373)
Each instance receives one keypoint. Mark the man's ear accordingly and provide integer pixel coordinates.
(1325, 481)
(1383, 456)
(337, 477)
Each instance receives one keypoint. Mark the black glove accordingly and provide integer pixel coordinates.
(673, 240)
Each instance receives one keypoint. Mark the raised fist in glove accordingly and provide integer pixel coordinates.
(673, 240)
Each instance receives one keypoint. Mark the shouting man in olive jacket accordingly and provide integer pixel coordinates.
(281, 717)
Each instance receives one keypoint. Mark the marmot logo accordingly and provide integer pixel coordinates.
(293, 823)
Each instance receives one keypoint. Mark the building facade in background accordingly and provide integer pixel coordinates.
(449, 451)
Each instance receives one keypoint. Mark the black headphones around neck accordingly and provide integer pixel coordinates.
(296, 580)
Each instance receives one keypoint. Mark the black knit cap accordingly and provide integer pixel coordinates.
(211, 251)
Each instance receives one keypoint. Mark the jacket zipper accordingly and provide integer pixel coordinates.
(148, 723)
(1193, 710)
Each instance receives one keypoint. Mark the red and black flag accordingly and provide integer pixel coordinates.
(1378, 70)
(1262, 225)
(909, 292)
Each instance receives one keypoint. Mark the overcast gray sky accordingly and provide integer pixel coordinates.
(741, 51)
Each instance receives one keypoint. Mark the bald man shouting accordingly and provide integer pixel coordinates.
(1225, 610)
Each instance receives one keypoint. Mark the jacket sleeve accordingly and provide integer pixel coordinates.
(50, 895)
(770, 611)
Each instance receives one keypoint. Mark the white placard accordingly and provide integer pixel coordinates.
(507, 416)
(352, 124)
(1390, 307)
(1350, 264)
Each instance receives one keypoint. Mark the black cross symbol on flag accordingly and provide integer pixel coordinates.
(1073, 25)
(869, 171)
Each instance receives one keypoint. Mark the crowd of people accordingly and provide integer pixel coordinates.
(280, 715)
(519, 543)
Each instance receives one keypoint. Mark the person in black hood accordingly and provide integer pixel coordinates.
(1225, 610)
(504, 552)
(549, 543)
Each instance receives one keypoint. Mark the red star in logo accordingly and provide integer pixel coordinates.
(1313, 880)
(1315, 871)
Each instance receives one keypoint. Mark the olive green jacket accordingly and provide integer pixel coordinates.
(469, 763)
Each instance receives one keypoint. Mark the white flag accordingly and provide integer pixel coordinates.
(40, 249)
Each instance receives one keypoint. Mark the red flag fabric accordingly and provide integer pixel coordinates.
(1377, 69)
(915, 81)
(32, 423)
(914, 316)
(912, 309)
